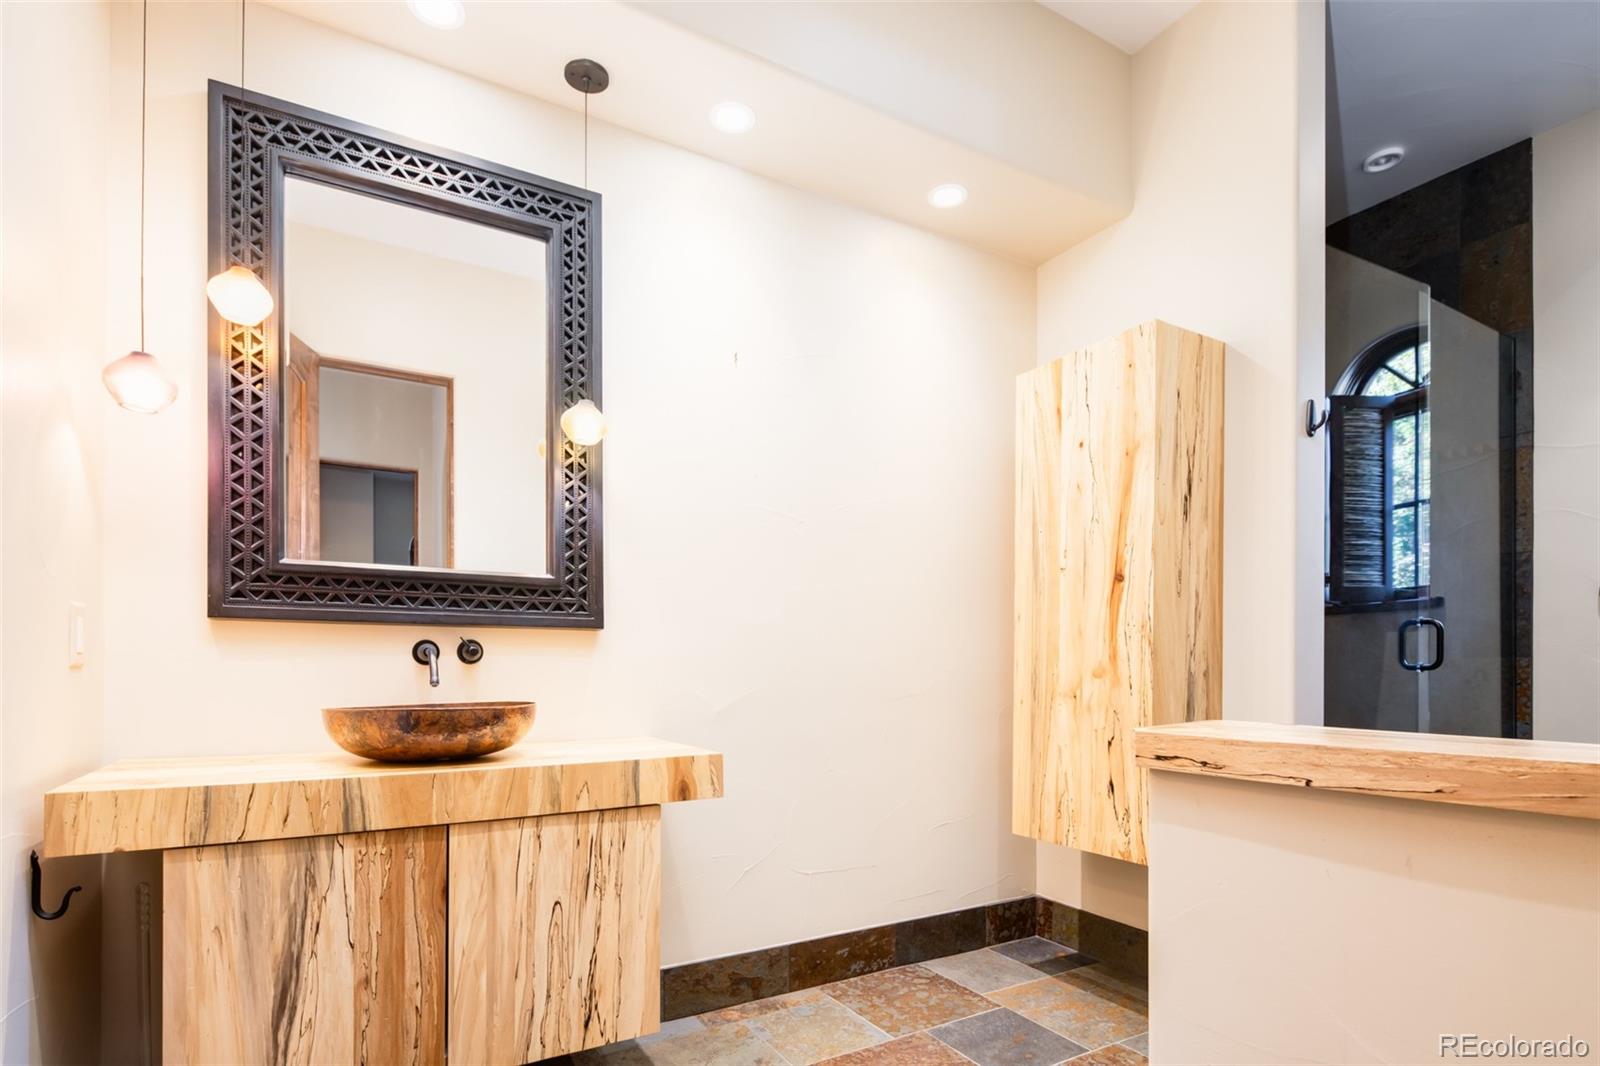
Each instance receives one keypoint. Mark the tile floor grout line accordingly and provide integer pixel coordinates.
(951, 1021)
(957, 1050)
(928, 1029)
(1124, 1043)
(864, 1019)
(928, 1032)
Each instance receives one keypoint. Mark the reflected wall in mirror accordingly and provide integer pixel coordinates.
(415, 381)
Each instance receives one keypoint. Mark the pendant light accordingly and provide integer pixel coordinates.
(583, 423)
(138, 381)
(237, 293)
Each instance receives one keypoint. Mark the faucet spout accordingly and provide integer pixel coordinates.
(426, 653)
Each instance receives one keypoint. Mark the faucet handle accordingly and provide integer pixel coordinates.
(469, 651)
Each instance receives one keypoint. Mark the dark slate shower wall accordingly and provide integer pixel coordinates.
(1468, 235)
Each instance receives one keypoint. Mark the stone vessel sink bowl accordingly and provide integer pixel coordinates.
(427, 732)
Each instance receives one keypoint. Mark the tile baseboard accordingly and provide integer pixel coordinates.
(697, 987)
(1123, 946)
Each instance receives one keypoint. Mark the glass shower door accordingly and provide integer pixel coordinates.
(1413, 637)
(1468, 533)
(1383, 636)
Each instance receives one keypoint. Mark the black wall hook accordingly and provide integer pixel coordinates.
(1314, 423)
(38, 888)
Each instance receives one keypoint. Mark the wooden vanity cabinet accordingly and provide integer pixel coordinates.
(553, 934)
(332, 949)
(496, 912)
(313, 950)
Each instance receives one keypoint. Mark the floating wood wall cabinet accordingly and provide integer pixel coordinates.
(1118, 597)
(323, 909)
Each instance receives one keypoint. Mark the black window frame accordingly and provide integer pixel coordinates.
(1413, 402)
(1363, 368)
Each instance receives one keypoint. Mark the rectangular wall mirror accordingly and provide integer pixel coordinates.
(386, 445)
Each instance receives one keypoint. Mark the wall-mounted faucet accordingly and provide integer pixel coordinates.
(426, 652)
(469, 651)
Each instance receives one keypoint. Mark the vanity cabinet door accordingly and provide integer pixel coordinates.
(554, 925)
(325, 949)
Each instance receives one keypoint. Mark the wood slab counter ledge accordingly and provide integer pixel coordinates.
(146, 804)
(1537, 776)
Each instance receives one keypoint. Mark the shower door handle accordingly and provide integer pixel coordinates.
(1438, 644)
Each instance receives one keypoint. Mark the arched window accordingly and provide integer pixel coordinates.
(1391, 374)
(1380, 483)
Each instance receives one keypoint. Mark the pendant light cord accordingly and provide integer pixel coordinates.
(144, 111)
(248, 168)
(586, 132)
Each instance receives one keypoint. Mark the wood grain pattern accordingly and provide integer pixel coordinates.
(302, 500)
(554, 934)
(1118, 594)
(323, 950)
(172, 803)
(1538, 776)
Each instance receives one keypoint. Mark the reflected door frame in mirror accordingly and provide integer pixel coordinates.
(256, 143)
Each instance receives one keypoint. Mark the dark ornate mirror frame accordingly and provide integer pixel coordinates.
(256, 142)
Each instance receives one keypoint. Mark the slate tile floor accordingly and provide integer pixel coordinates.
(1030, 1002)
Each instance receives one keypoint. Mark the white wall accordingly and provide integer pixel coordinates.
(387, 304)
(1214, 244)
(53, 343)
(373, 420)
(1292, 925)
(807, 510)
(1566, 431)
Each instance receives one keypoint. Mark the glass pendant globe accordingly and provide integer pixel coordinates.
(138, 383)
(583, 423)
(239, 296)
(440, 14)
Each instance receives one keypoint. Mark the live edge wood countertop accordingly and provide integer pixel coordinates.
(143, 804)
(1537, 776)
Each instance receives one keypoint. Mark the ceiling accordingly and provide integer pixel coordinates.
(1450, 81)
(1128, 24)
(1008, 79)
(870, 104)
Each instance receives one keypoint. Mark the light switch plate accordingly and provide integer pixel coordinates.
(77, 635)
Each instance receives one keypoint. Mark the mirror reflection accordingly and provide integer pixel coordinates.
(415, 377)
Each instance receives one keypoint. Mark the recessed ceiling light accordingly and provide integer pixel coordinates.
(730, 116)
(1384, 159)
(949, 195)
(440, 14)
